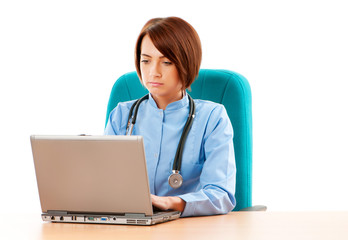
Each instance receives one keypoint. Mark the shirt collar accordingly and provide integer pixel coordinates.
(172, 106)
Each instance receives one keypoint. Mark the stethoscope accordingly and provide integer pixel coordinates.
(175, 180)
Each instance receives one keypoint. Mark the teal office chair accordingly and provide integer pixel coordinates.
(221, 86)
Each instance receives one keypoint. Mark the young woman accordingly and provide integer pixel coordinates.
(167, 58)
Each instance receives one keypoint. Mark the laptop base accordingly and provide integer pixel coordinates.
(127, 219)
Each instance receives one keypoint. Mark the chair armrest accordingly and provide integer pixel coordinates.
(255, 208)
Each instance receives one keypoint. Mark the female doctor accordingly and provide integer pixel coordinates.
(167, 59)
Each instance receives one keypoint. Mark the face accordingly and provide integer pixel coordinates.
(159, 75)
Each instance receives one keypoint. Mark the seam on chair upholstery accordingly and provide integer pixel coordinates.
(126, 82)
(245, 121)
(248, 136)
(225, 89)
(203, 83)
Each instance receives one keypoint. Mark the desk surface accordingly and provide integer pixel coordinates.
(235, 225)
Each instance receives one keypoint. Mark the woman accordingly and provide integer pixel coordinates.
(167, 58)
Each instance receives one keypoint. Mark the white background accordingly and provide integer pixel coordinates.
(59, 60)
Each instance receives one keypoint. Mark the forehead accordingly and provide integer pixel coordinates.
(148, 48)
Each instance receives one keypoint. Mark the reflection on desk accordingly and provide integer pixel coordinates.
(235, 225)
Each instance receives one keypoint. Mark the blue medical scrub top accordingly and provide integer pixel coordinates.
(208, 164)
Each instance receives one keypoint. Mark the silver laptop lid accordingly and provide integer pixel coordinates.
(101, 174)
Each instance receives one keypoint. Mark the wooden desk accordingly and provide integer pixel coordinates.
(236, 225)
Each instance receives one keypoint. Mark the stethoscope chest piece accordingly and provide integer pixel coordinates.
(175, 180)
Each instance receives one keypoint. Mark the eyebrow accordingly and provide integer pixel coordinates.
(146, 55)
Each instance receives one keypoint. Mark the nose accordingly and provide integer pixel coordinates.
(155, 70)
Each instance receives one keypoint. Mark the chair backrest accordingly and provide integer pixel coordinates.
(221, 86)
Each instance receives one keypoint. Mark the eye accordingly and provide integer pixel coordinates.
(144, 61)
(167, 63)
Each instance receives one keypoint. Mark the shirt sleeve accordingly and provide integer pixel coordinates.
(218, 175)
(115, 125)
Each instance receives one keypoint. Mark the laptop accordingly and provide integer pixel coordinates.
(94, 179)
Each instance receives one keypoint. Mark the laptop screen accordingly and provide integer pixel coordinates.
(100, 174)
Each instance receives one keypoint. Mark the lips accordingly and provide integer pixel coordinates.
(155, 84)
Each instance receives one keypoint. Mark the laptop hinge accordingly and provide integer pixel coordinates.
(54, 212)
(134, 215)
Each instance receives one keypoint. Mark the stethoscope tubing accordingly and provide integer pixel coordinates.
(187, 127)
(175, 176)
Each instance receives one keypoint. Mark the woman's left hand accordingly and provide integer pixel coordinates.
(168, 203)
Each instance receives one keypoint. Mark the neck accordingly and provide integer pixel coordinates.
(163, 102)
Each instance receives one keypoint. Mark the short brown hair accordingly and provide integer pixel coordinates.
(178, 41)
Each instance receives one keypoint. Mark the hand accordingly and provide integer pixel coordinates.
(168, 203)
